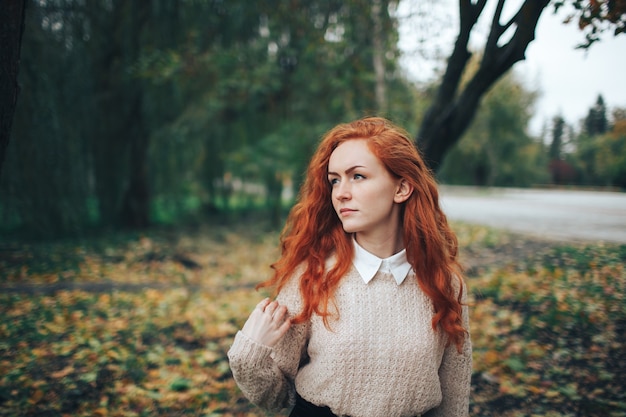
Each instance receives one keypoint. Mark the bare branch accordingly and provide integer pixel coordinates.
(496, 29)
(469, 13)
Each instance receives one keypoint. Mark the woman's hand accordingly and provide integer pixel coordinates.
(268, 323)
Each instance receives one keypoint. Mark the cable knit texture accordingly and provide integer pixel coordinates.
(381, 358)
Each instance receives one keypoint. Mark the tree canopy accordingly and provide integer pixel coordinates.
(139, 112)
(135, 112)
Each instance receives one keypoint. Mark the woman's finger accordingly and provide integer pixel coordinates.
(280, 313)
(268, 323)
(263, 304)
(271, 308)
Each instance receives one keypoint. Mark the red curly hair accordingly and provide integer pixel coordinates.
(313, 231)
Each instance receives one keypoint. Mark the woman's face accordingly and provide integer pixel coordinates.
(364, 194)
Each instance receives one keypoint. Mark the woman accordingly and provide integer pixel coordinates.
(368, 319)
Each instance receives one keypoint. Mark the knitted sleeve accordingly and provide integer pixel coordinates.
(266, 375)
(455, 374)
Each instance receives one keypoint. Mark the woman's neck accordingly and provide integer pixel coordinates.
(383, 247)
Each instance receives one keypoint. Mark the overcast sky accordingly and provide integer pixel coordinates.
(569, 79)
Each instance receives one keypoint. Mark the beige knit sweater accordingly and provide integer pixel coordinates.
(381, 358)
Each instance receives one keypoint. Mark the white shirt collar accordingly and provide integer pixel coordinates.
(368, 264)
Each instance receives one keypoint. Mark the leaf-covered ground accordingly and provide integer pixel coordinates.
(140, 325)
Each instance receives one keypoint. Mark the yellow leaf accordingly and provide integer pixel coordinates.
(63, 372)
(102, 412)
(552, 394)
(36, 397)
(113, 354)
(491, 357)
(210, 356)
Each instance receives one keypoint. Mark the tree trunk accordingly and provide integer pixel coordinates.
(453, 109)
(378, 54)
(135, 211)
(136, 204)
(11, 30)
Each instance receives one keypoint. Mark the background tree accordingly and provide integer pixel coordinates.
(600, 148)
(47, 181)
(146, 111)
(560, 165)
(11, 30)
(454, 106)
(496, 150)
(610, 159)
(596, 122)
(558, 132)
(139, 112)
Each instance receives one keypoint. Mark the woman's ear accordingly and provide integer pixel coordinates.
(403, 192)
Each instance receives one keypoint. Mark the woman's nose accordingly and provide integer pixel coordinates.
(342, 192)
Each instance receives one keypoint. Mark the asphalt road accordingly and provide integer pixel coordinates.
(553, 214)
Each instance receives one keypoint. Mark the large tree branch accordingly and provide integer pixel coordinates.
(469, 14)
(452, 112)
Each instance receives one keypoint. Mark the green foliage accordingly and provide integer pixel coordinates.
(596, 122)
(558, 131)
(131, 110)
(602, 159)
(496, 150)
(599, 151)
(49, 161)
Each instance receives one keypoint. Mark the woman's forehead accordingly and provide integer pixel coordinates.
(354, 152)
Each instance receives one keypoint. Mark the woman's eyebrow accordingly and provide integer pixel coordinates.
(349, 170)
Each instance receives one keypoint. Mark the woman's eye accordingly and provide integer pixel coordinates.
(333, 181)
(358, 177)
